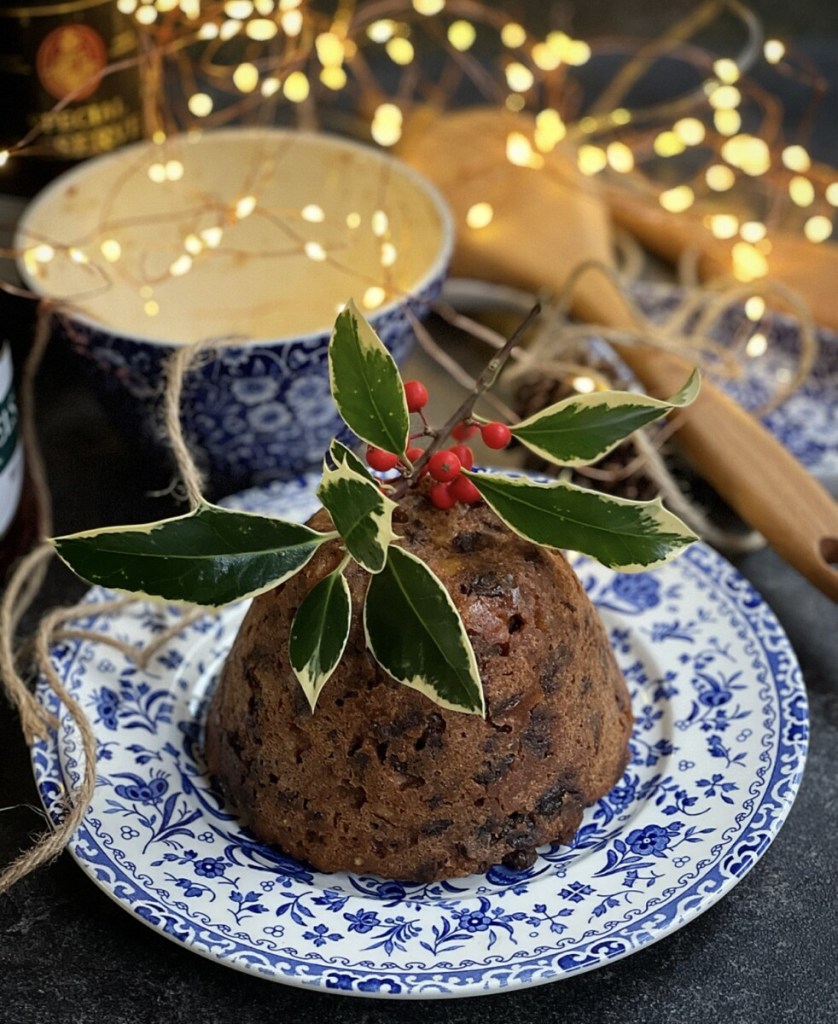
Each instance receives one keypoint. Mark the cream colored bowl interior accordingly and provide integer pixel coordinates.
(241, 232)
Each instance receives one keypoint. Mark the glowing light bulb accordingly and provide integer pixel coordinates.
(752, 231)
(620, 157)
(399, 50)
(690, 131)
(260, 30)
(755, 308)
(774, 51)
(296, 87)
(373, 297)
(428, 7)
(313, 213)
(182, 265)
(480, 215)
(719, 178)
(382, 30)
(545, 57)
(200, 104)
(802, 191)
(330, 49)
(389, 254)
(668, 144)
(111, 250)
(796, 158)
(678, 199)
(292, 23)
(315, 251)
(756, 345)
(380, 223)
(727, 122)
(726, 70)
(724, 225)
(513, 35)
(584, 385)
(817, 228)
(386, 128)
(549, 129)
(748, 262)
(519, 78)
(591, 159)
(461, 35)
(212, 237)
(244, 207)
(519, 151)
(246, 77)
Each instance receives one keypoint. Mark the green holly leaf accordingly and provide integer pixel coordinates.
(210, 556)
(366, 384)
(416, 634)
(319, 633)
(341, 455)
(362, 515)
(630, 536)
(583, 428)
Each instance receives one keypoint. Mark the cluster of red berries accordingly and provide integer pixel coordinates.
(445, 466)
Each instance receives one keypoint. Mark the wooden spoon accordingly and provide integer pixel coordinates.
(549, 219)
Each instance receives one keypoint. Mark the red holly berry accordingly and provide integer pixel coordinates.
(416, 394)
(495, 435)
(415, 453)
(464, 454)
(462, 489)
(444, 466)
(441, 496)
(381, 460)
(463, 431)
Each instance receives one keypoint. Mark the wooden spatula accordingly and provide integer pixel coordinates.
(546, 222)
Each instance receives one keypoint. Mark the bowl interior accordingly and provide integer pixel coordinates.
(252, 233)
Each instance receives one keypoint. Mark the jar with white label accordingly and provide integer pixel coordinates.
(18, 519)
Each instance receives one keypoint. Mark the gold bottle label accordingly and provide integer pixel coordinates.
(52, 64)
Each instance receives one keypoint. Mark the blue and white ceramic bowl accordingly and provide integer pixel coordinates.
(253, 237)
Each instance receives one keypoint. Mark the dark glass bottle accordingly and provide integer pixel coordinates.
(51, 55)
(18, 513)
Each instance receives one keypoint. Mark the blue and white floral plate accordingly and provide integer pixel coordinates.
(717, 756)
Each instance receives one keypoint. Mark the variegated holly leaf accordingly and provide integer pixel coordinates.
(583, 428)
(416, 634)
(630, 536)
(319, 633)
(366, 384)
(210, 556)
(341, 455)
(362, 514)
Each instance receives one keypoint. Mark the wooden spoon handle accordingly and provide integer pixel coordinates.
(752, 471)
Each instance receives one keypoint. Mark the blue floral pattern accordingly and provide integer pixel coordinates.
(717, 755)
(255, 413)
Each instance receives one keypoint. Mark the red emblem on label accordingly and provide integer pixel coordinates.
(69, 61)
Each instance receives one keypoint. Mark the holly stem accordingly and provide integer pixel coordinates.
(485, 381)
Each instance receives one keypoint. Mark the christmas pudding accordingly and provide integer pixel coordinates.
(378, 778)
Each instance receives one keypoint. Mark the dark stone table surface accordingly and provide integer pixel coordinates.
(69, 955)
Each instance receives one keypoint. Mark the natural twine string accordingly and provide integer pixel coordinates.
(544, 357)
(35, 720)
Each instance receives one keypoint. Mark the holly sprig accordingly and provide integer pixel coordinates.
(213, 556)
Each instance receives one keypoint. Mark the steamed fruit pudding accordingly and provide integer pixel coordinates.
(380, 779)
(421, 687)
